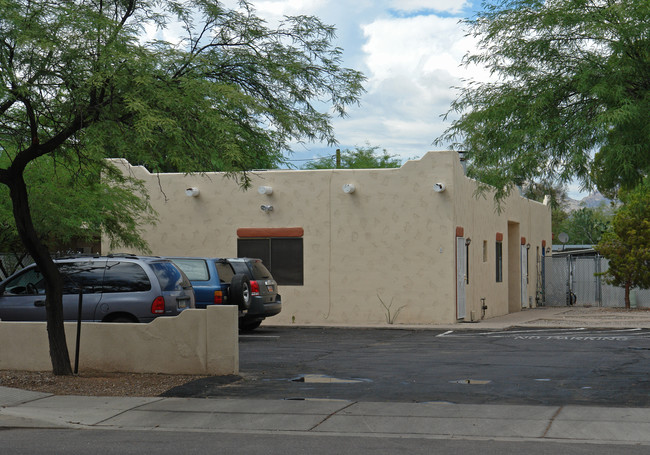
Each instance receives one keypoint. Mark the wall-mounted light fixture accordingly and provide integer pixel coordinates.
(439, 187)
(192, 192)
(468, 241)
(528, 246)
(265, 190)
(348, 188)
(548, 249)
(266, 208)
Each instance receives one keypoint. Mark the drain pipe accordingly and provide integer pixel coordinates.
(483, 308)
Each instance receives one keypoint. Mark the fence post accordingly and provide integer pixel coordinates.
(599, 289)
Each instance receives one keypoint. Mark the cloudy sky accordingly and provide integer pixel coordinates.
(410, 51)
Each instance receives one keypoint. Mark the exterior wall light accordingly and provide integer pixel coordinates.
(266, 208)
(192, 192)
(348, 188)
(265, 190)
(439, 187)
(468, 241)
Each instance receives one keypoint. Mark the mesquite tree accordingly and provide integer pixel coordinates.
(80, 80)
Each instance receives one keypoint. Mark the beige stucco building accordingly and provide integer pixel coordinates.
(341, 242)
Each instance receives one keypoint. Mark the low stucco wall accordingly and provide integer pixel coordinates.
(195, 342)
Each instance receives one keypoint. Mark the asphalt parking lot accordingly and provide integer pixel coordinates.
(515, 366)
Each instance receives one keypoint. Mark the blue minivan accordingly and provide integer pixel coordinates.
(244, 282)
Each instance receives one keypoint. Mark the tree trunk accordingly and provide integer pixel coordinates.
(53, 286)
(627, 295)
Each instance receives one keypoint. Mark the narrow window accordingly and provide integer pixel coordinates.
(485, 250)
(499, 261)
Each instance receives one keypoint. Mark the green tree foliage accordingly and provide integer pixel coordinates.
(585, 226)
(360, 158)
(570, 80)
(79, 82)
(627, 244)
(77, 204)
(539, 191)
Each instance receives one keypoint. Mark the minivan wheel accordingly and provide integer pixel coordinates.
(240, 291)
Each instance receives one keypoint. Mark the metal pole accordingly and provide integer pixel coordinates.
(76, 354)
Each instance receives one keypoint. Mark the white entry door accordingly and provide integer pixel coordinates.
(524, 276)
(461, 276)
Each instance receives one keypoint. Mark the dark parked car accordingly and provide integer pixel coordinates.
(244, 282)
(115, 288)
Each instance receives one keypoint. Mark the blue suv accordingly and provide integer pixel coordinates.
(244, 282)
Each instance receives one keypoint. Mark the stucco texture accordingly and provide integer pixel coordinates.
(393, 239)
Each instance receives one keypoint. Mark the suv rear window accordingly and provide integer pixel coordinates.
(225, 272)
(125, 277)
(195, 269)
(260, 272)
(169, 276)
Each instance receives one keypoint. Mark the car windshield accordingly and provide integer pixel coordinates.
(29, 282)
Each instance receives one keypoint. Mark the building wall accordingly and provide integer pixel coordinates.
(392, 240)
(483, 221)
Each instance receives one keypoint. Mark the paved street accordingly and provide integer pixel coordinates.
(510, 385)
(517, 366)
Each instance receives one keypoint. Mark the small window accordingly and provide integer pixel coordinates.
(86, 276)
(283, 257)
(259, 271)
(125, 277)
(169, 277)
(195, 269)
(499, 262)
(225, 272)
(485, 250)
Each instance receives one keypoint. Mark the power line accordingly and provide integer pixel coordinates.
(313, 159)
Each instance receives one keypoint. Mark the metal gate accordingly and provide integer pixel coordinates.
(579, 278)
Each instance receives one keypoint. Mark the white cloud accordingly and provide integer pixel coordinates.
(414, 46)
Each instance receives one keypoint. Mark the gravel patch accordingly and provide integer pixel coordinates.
(95, 383)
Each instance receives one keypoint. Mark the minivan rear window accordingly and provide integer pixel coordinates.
(169, 276)
(125, 277)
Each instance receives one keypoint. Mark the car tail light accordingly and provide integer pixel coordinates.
(158, 305)
(218, 297)
(255, 288)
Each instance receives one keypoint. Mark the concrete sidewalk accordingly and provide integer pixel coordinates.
(548, 317)
(23, 409)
